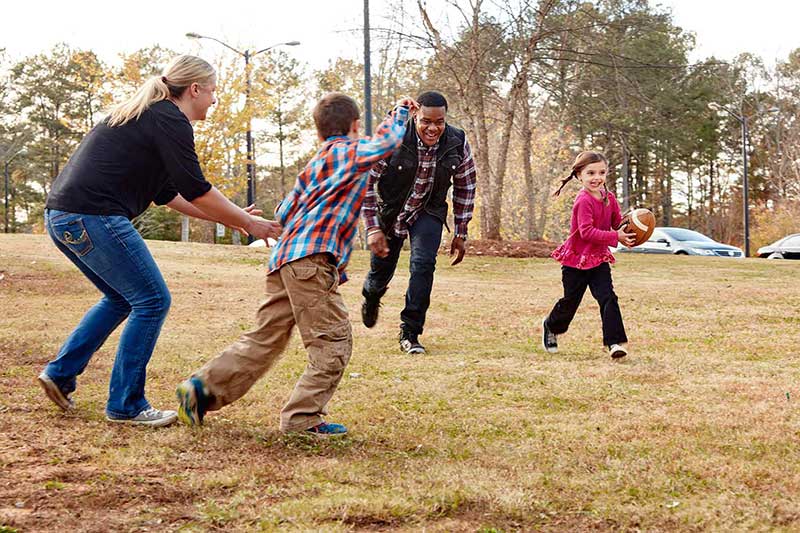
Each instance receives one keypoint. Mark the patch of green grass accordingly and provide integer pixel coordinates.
(219, 514)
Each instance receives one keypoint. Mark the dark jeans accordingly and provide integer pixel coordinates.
(598, 279)
(425, 236)
(112, 255)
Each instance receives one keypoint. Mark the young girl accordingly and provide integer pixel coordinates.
(585, 257)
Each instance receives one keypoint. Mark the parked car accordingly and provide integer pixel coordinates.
(260, 243)
(679, 241)
(785, 248)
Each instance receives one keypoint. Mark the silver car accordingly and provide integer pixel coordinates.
(785, 248)
(680, 241)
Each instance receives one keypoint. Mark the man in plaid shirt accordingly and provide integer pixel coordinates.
(319, 217)
(407, 197)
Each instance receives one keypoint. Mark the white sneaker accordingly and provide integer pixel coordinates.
(617, 351)
(149, 417)
(55, 394)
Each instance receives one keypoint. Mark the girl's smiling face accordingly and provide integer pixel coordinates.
(593, 177)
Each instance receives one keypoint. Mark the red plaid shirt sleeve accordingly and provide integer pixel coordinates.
(286, 207)
(369, 210)
(464, 184)
(320, 213)
(383, 141)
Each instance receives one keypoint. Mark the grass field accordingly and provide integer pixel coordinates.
(697, 430)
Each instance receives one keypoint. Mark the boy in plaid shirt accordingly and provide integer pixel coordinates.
(319, 218)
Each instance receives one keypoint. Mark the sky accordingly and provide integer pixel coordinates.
(724, 28)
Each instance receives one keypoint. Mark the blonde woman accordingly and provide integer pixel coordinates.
(143, 152)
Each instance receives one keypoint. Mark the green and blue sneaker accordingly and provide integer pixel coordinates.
(193, 399)
(327, 429)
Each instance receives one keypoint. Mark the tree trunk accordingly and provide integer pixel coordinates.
(494, 217)
(689, 195)
(484, 171)
(526, 136)
(626, 193)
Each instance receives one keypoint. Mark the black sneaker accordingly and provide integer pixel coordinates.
(369, 310)
(409, 343)
(549, 341)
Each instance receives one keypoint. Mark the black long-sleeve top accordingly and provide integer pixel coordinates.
(121, 170)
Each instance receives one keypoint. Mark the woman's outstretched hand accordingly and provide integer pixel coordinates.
(261, 228)
(253, 210)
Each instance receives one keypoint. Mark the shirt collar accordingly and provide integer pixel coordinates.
(421, 145)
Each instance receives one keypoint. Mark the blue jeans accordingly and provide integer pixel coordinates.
(426, 236)
(110, 252)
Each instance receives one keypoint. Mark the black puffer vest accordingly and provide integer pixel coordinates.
(397, 181)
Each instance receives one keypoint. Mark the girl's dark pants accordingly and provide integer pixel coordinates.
(598, 279)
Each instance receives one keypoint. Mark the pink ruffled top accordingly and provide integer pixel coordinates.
(590, 232)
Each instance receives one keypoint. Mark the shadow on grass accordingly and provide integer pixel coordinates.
(312, 445)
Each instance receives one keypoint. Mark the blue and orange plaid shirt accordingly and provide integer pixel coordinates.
(320, 214)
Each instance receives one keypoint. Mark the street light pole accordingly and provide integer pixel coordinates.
(251, 163)
(367, 74)
(251, 167)
(745, 184)
(745, 188)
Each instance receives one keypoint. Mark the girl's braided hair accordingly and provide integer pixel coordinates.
(583, 160)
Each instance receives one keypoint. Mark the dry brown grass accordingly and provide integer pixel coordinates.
(696, 430)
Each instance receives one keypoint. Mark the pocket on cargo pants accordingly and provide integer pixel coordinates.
(330, 347)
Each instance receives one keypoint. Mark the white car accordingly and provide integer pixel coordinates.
(785, 248)
(680, 241)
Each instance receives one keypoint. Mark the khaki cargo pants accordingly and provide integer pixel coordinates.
(304, 292)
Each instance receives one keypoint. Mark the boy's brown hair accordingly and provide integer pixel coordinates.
(334, 114)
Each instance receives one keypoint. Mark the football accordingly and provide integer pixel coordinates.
(641, 223)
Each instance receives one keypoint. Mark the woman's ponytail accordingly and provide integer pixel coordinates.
(154, 90)
(180, 73)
